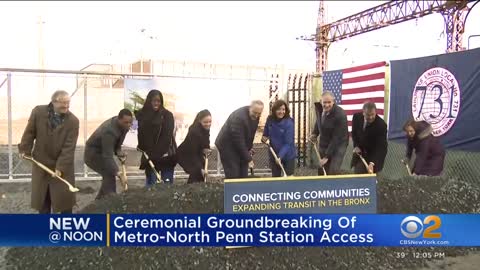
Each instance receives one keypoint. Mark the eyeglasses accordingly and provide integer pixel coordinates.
(62, 102)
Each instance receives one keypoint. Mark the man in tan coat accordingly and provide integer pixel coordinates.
(52, 133)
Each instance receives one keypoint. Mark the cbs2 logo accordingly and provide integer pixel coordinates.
(412, 227)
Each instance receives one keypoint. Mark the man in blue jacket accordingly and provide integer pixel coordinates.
(235, 140)
(332, 126)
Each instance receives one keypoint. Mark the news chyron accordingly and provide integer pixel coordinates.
(75, 229)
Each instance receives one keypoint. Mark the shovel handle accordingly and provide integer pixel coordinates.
(408, 170)
(124, 180)
(404, 162)
(363, 161)
(206, 169)
(52, 173)
(152, 166)
(318, 156)
(150, 163)
(276, 158)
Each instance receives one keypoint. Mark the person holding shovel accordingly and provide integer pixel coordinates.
(332, 127)
(369, 136)
(100, 149)
(52, 133)
(156, 138)
(235, 140)
(280, 130)
(196, 146)
(429, 151)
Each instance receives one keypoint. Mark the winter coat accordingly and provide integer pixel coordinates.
(237, 135)
(429, 152)
(54, 148)
(190, 152)
(282, 137)
(157, 138)
(372, 141)
(333, 131)
(106, 141)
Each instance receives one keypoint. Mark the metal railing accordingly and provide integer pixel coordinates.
(22, 89)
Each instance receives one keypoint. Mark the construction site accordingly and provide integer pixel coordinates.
(99, 91)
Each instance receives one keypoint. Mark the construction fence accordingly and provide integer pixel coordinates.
(97, 96)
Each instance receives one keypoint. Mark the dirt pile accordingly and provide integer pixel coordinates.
(427, 195)
(409, 195)
(193, 199)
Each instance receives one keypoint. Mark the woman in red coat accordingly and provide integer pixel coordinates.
(191, 152)
(429, 152)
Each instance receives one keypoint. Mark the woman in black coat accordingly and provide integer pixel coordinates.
(429, 151)
(191, 152)
(157, 138)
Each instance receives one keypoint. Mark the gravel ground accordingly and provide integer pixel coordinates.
(409, 195)
(15, 198)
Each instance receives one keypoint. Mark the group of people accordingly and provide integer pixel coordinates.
(51, 134)
(156, 141)
(369, 136)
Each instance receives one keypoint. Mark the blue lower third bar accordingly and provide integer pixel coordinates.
(52, 230)
(240, 230)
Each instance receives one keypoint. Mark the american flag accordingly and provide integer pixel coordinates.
(353, 86)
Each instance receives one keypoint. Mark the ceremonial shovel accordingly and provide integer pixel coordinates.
(205, 169)
(276, 158)
(45, 168)
(252, 175)
(364, 162)
(124, 173)
(318, 156)
(151, 165)
(407, 166)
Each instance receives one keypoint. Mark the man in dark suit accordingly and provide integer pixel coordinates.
(101, 147)
(369, 135)
(235, 140)
(332, 128)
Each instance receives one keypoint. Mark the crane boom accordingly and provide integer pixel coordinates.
(390, 13)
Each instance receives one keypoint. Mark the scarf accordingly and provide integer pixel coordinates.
(54, 119)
